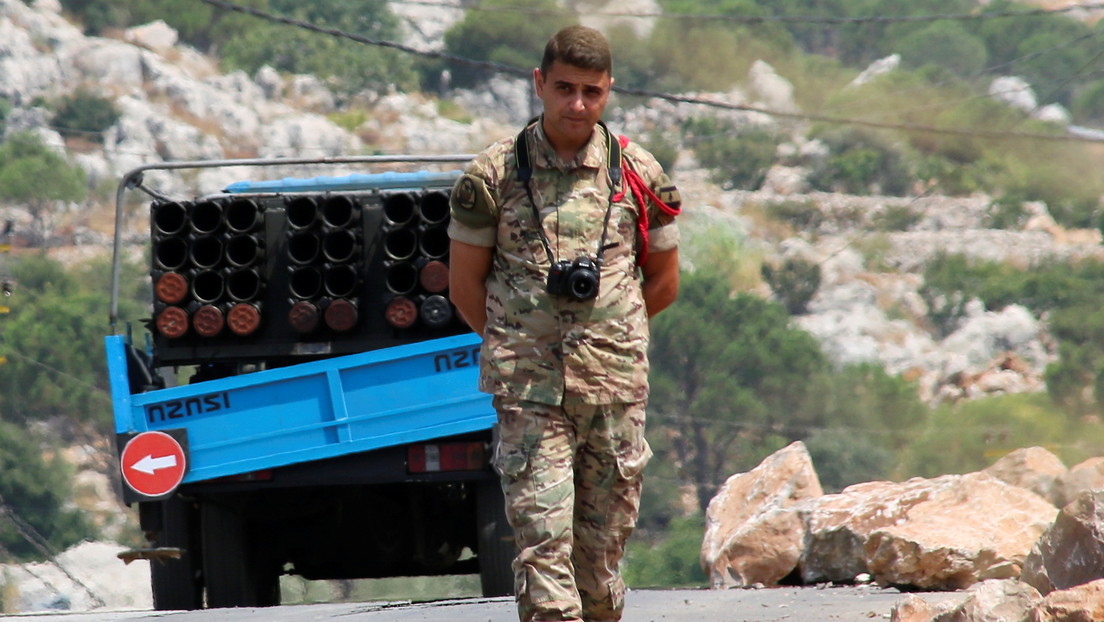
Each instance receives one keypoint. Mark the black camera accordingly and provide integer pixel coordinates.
(576, 279)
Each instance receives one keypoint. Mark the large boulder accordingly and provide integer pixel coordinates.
(993, 601)
(1071, 552)
(1083, 477)
(1033, 468)
(969, 528)
(752, 533)
(839, 525)
(1008, 601)
(1082, 603)
(947, 532)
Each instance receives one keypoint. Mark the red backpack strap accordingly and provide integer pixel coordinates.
(642, 194)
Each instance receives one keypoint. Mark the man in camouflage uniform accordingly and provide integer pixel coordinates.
(569, 373)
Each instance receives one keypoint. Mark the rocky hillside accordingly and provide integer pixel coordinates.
(177, 105)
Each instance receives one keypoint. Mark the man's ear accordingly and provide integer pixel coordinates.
(538, 81)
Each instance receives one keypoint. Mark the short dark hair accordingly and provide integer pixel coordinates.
(578, 46)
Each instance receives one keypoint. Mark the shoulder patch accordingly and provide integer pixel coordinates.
(464, 194)
(471, 202)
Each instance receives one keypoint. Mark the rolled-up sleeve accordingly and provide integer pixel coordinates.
(474, 210)
(663, 238)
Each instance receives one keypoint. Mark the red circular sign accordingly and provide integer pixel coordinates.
(153, 464)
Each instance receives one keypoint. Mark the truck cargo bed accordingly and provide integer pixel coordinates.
(310, 411)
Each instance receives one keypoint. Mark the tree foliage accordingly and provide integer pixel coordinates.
(36, 176)
(972, 435)
(35, 518)
(85, 114)
(53, 342)
(728, 380)
(511, 38)
(947, 45)
(732, 382)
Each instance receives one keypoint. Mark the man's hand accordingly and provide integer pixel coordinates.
(468, 269)
(661, 280)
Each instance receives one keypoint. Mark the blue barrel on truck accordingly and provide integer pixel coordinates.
(330, 425)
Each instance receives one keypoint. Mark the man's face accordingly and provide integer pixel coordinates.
(574, 100)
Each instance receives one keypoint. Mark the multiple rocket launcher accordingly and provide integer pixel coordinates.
(299, 274)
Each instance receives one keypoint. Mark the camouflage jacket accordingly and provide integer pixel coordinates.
(551, 349)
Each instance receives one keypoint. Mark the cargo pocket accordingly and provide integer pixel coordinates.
(510, 460)
(632, 459)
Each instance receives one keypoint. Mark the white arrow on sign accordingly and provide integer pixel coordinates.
(149, 465)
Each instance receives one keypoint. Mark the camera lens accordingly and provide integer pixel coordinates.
(583, 284)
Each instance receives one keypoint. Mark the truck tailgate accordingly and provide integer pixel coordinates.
(310, 411)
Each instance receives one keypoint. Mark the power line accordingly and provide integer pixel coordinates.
(792, 19)
(816, 118)
(336, 32)
(35, 539)
(992, 69)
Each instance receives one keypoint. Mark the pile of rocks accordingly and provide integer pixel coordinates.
(998, 532)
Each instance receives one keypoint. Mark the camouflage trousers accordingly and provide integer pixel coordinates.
(572, 480)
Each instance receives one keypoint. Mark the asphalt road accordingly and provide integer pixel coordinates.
(789, 604)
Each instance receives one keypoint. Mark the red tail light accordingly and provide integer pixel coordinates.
(436, 457)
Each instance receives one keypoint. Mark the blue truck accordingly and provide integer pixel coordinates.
(330, 425)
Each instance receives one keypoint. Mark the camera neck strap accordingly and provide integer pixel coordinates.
(525, 176)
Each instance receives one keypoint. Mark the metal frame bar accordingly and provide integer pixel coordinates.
(133, 178)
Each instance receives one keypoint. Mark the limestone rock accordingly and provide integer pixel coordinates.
(838, 526)
(1033, 468)
(1071, 551)
(993, 601)
(752, 533)
(156, 35)
(1083, 603)
(912, 609)
(772, 89)
(1086, 476)
(968, 528)
(1015, 92)
(876, 69)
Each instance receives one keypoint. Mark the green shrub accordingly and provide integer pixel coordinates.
(1088, 103)
(944, 44)
(1006, 213)
(84, 114)
(794, 283)
(971, 435)
(670, 561)
(736, 157)
(895, 218)
(509, 37)
(846, 456)
(861, 163)
(803, 215)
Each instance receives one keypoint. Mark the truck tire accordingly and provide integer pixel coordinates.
(234, 571)
(496, 541)
(176, 583)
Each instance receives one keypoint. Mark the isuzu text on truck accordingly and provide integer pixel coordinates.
(331, 426)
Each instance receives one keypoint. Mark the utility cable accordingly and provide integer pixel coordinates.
(35, 539)
(792, 19)
(501, 67)
(990, 70)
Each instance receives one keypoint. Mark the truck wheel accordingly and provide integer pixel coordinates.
(175, 582)
(496, 541)
(235, 573)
